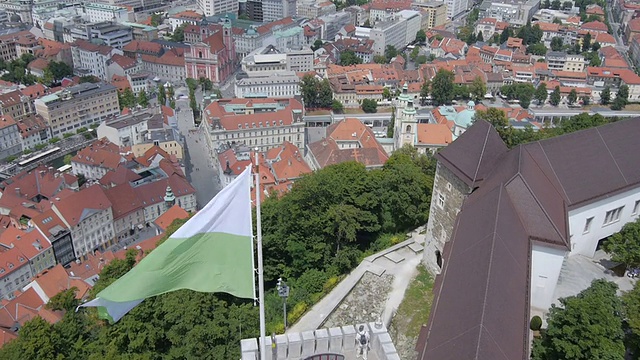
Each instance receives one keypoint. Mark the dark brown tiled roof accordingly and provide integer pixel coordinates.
(481, 305)
(472, 160)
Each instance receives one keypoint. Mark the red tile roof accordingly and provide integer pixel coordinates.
(595, 25)
(232, 121)
(287, 162)
(74, 208)
(124, 200)
(175, 212)
(101, 153)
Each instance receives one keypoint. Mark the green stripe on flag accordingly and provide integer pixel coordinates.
(206, 262)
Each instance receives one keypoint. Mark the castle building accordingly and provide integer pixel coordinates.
(503, 222)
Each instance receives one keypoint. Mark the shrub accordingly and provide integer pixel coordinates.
(536, 323)
(330, 284)
(296, 312)
(312, 280)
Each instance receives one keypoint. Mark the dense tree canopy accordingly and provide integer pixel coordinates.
(316, 93)
(442, 89)
(624, 246)
(348, 57)
(584, 327)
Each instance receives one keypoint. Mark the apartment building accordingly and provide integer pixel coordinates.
(95, 160)
(126, 130)
(313, 9)
(281, 84)
(274, 10)
(97, 12)
(389, 33)
(517, 12)
(92, 59)
(78, 106)
(434, 13)
(33, 131)
(107, 32)
(383, 10)
(169, 66)
(10, 140)
(214, 7)
(262, 123)
(15, 104)
(89, 215)
(268, 60)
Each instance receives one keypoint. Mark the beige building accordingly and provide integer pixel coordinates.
(78, 106)
(89, 215)
(434, 13)
(575, 63)
(16, 104)
(171, 146)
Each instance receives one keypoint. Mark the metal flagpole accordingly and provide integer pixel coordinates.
(263, 343)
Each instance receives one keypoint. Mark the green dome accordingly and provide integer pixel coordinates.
(464, 118)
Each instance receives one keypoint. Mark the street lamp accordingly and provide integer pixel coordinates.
(283, 292)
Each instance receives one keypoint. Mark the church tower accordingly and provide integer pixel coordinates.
(401, 104)
(169, 198)
(408, 125)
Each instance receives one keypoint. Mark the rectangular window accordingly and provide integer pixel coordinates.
(441, 200)
(636, 207)
(613, 215)
(587, 225)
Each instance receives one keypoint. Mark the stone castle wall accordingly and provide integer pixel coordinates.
(442, 218)
(337, 340)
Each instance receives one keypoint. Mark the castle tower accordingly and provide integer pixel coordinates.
(401, 104)
(169, 198)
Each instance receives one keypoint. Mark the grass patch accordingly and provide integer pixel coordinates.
(319, 112)
(414, 310)
(353, 111)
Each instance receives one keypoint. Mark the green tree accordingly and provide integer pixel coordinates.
(425, 89)
(442, 89)
(546, 5)
(498, 118)
(414, 53)
(178, 33)
(67, 159)
(586, 42)
(317, 45)
(88, 79)
(342, 223)
(386, 93)
(309, 90)
(621, 99)
(605, 95)
(505, 35)
(541, 93)
(556, 4)
(337, 107)
(59, 70)
(572, 97)
(555, 96)
(369, 106)
(348, 57)
(325, 94)
(207, 84)
(143, 100)
(567, 5)
(421, 59)
(421, 36)
(595, 47)
(537, 49)
(631, 303)
(557, 43)
(390, 52)
(379, 59)
(162, 95)
(480, 37)
(556, 20)
(367, 24)
(624, 246)
(156, 19)
(585, 326)
(64, 300)
(586, 100)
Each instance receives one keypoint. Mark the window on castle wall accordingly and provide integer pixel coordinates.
(441, 200)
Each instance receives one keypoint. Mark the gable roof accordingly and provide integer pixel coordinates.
(79, 205)
(472, 158)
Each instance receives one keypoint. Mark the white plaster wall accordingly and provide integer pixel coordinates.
(546, 263)
(585, 243)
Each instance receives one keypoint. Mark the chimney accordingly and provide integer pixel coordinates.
(18, 191)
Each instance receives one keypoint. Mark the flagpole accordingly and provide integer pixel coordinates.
(263, 350)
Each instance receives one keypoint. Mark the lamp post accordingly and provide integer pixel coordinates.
(283, 292)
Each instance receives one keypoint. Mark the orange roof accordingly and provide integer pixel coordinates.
(604, 38)
(570, 74)
(6, 121)
(287, 162)
(55, 280)
(595, 25)
(232, 121)
(90, 267)
(34, 91)
(120, 82)
(38, 64)
(434, 134)
(175, 212)
(101, 153)
(31, 243)
(124, 200)
(550, 27)
(188, 15)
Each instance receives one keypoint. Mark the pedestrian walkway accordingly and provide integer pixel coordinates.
(400, 261)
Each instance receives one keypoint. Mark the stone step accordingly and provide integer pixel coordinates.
(416, 248)
(395, 257)
(376, 269)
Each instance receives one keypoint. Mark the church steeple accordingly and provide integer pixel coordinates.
(169, 198)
